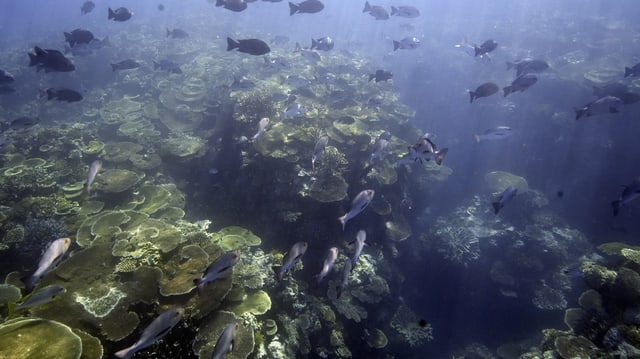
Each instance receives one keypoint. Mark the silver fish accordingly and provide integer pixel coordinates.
(346, 271)
(358, 205)
(327, 266)
(262, 125)
(405, 11)
(603, 105)
(495, 133)
(293, 111)
(423, 150)
(504, 197)
(290, 259)
(378, 149)
(226, 340)
(94, 169)
(158, 328)
(630, 193)
(361, 237)
(51, 257)
(43, 296)
(408, 43)
(310, 55)
(321, 144)
(220, 268)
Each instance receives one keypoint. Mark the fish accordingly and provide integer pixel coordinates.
(521, 83)
(324, 44)
(78, 36)
(327, 266)
(167, 65)
(6, 78)
(375, 101)
(378, 12)
(94, 169)
(504, 197)
(262, 125)
(241, 83)
(346, 271)
(290, 259)
(378, 148)
(408, 43)
(361, 237)
(296, 81)
(603, 105)
(632, 71)
(160, 7)
(120, 14)
(87, 7)
(21, 123)
(125, 65)
(248, 46)
(527, 66)
(51, 257)
(305, 7)
(220, 268)
(629, 193)
(226, 340)
(423, 150)
(307, 54)
(177, 34)
(381, 75)
(484, 90)
(618, 90)
(276, 63)
(358, 205)
(89, 48)
(485, 48)
(233, 5)
(496, 133)
(293, 111)
(63, 94)
(50, 60)
(158, 328)
(321, 144)
(405, 11)
(327, 78)
(41, 297)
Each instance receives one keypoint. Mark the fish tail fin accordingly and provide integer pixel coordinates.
(396, 45)
(440, 155)
(507, 90)
(510, 65)
(367, 7)
(580, 112)
(471, 96)
(477, 50)
(477, 137)
(617, 204)
(628, 71)
(111, 14)
(394, 10)
(343, 220)
(33, 59)
(497, 206)
(124, 353)
(232, 44)
(293, 8)
(51, 94)
(29, 283)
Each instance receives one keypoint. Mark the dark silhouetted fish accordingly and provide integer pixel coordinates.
(504, 197)
(120, 14)
(89, 48)
(601, 106)
(521, 83)
(310, 55)
(160, 7)
(21, 123)
(78, 36)
(50, 60)
(306, 7)
(495, 133)
(618, 90)
(248, 46)
(405, 11)
(632, 71)
(358, 205)
(6, 78)
(293, 256)
(408, 43)
(630, 193)
(233, 5)
(484, 90)
(323, 44)
(378, 12)
(87, 7)
(527, 66)
(167, 65)
(125, 65)
(226, 341)
(218, 269)
(177, 34)
(63, 94)
(485, 48)
(381, 75)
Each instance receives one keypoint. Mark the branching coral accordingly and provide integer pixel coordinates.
(405, 322)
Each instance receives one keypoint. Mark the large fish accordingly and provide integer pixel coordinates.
(358, 205)
(630, 193)
(119, 14)
(527, 66)
(325, 44)
(521, 83)
(128, 64)
(321, 144)
(290, 259)
(601, 106)
(51, 257)
(484, 90)
(94, 169)
(485, 48)
(262, 125)
(43, 296)
(377, 11)
(495, 133)
(361, 237)
(233, 5)
(248, 46)
(226, 341)
(63, 94)
(158, 328)
(408, 43)
(422, 151)
(87, 7)
(50, 60)
(306, 7)
(327, 266)
(220, 268)
(504, 197)
(78, 36)
(310, 55)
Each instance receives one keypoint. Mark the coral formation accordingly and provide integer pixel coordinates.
(405, 322)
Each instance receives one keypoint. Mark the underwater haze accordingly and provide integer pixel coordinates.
(319, 179)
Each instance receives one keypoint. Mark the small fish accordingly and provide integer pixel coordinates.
(527, 66)
(618, 90)
(43, 296)
(293, 111)
(63, 94)
(358, 205)
(346, 271)
(381, 75)
(290, 259)
(378, 12)
(220, 268)
(94, 169)
(21, 123)
(241, 83)
(120, 14)
(630, 193)
(226, 340)
(321, 144)
(361, 237)
(423, 150)
(50, 60)
(484, 90)
(177, 34)
(87, 7)
(262, 125)
(405, 11)
(276, 63)
(167, 65)
(485, 48)
(248, 46)
(378, 149)
(324, 44)
(327, 266)
(310, 55)
(408, 43)
(504, 197)
(6, 78)
(632, 71)
(601, 106)
(51, 257)
(496, 133)
(78, 36)
(158, 328)
(305, 7)
(296, 81)
(233, 5)
(125, 65)
(521, 83)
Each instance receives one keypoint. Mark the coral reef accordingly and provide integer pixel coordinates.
(405, 322)
(21, 338)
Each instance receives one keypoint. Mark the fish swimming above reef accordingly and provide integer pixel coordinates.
(305, 7)
(220, 268)
(521, 83)
(168, 66)
(50, 60)
(408, 43)
(248, 46)
(158, 328)
(63, 94)
(381, 75)
(327, 265)
(378, 12)
(361, 237)
(346, 273)
(485, 48)
(632, 71)
(41, 297)
(88, 48)
(120, 14)
(294, 110)
(358, 205)
(177, 34)
(51, 257)
(6, 78)
(87, 7)
(262, 125)
(318, 150)
(629, 193)
(527, 66)
(484, 90)
(128, 64)
(21, 123)
(601, 106)
(290, 259)
(496, 133)
(405, 11)
(233, 5)
(78, 36)
(226, 340)
(423, 151)
(324, 44)
(241, 84)
(94, 169)
(276, 63)
(618, 90)
(310, 55)
(378, 148)
(506, 196)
